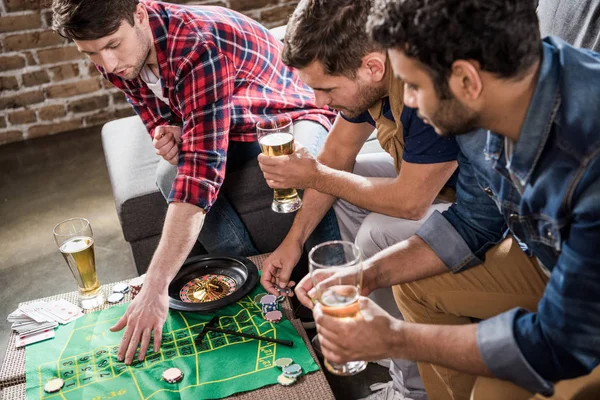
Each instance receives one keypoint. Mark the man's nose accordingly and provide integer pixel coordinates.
(109, 62)
(321, 99)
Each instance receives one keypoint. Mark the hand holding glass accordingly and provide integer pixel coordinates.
(336, 273)
(276, 138)
(75, 241)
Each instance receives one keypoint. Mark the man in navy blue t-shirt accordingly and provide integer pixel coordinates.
(380, 198)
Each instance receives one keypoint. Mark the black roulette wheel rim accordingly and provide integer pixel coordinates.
(240, 269)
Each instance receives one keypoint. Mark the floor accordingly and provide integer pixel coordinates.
(47, 180)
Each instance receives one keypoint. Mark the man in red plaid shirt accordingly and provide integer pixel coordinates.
(200, 78)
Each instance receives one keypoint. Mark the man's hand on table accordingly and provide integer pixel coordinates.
(343, 339)
(278, 267)
(166, 142)
(146, 313)
(299, 170)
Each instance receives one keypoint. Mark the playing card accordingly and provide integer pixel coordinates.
(31, 310)
(38, 337)
(35, 327)
(64, 310)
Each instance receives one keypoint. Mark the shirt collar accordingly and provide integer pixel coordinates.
(159, 27)
(538, 120)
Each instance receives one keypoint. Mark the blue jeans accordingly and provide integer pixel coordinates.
(223, 231)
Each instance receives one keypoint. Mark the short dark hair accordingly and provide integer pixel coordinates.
(502, 35)
(91, 19)
(332, 32)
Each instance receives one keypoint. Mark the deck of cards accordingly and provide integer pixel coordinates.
(36, 321)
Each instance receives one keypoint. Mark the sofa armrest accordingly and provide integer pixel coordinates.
(131, 163)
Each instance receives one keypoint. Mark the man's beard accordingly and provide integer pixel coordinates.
(146, 44)
(367, 96)
(452, 118)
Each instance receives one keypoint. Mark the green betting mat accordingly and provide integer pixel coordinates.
(84, 355)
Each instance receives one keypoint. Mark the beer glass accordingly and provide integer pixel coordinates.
(336, 273)
(276, 138)
(75, 241)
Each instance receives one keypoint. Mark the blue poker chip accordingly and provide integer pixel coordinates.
(293, 370)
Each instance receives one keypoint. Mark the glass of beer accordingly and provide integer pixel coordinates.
(276, 138)
(75, 241)
(336, 273)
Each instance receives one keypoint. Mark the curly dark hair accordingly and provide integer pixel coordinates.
(502, 35)
(90, 19)
(332, 32)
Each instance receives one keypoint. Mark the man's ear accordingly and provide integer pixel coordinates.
(465, 80)
(141, 14)
(373, 65)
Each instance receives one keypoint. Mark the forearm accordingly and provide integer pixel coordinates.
(408, 196)
(406, 261)
(314, 207)
(450, 346)
(371, 193)
(182, 226)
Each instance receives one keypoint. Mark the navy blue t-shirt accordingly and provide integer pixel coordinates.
(421, 144)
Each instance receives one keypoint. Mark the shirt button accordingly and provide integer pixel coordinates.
(488, 190)
(549, 234)
(514, 217)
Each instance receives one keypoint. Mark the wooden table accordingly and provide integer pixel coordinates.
(312, 386)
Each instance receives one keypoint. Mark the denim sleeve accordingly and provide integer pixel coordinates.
(461, 235)
(560, 341)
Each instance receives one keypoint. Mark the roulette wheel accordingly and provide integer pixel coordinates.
(208, 282)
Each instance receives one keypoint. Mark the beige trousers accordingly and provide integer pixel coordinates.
(507, 279)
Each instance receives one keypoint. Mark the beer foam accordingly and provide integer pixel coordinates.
(76, 244)
(276, 139)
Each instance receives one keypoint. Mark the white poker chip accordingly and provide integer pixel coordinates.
(285, 381)
(54, 385)
(172, 375)
(284, 362)
(115, 297)
(120, 288)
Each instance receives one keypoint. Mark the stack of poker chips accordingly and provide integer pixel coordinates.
(290, 371)
(269, 303)
(136, 285)
(118, 293)
(172, 375)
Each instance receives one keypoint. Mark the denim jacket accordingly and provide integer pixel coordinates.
(548, 195)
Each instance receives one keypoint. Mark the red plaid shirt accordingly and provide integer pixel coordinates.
(221, 72)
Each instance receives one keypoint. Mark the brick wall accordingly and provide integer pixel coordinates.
(47, 86)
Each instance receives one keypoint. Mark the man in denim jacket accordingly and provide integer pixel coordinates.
(539, 161)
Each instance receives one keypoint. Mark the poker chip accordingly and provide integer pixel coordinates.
(292, 371)
(54, 385)
(285, 381)
(115, 297)
(285, 290)
(274, 316)
(121, 288)
(268, 299)
(136, 285)
(283, 362)
(280, 298)
(137, 282)
(172, 375)
(258, 297)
